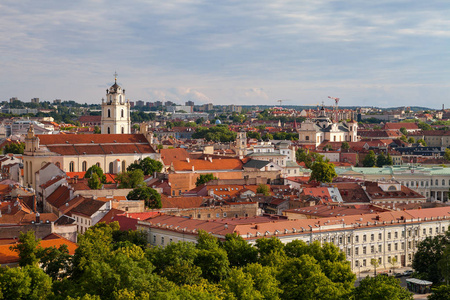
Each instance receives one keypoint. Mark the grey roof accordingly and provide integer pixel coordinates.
(266, 154)
(256, 164)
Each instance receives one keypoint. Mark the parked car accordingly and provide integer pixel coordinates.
(408, 273)
(398, 274)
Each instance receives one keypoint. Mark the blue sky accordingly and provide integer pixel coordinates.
(381, 53)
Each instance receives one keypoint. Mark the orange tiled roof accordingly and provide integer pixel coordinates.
(8, 256)
(204, 165)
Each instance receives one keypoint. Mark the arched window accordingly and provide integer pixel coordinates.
(84, 166)
(437, 182)
(124, 165)
(109, 130)
(123, 130)
(121, 113)
(443, 181)
(307, 138)
(111, 168)
(30, 172)
(98, 165)
(26, 171)
(109, 113)
(71, 166)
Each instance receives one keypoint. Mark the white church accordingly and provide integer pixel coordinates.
(115, 111)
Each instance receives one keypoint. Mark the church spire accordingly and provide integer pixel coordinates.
(115, 77)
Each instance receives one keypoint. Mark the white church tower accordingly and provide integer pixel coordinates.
(115, 111)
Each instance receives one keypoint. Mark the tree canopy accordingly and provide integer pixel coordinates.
(204, 178)
(151, 196)
(370, 160)
(15, 148)
(147, 165)
(323, 172)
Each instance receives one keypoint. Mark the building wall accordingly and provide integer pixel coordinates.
(210, 213)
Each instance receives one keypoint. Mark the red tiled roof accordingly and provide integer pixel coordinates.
(181, 202)
(59, 197)
(398, 126)
(203, 165)
(108, 218)
(76, 139)
(8, 256)
(170, 155)
(87, 207)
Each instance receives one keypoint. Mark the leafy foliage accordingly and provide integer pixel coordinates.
(95, 170)
(131, 179)
(15, 148)
(147, 165)
(27, 248)
(218, 133)
(151, 196)
(370, 160)
(323, 172)
(381, 287)
(263, 189)
(204, 178)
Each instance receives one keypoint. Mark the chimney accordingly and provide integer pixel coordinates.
(38, 218)
(187, 159)
(210, 159)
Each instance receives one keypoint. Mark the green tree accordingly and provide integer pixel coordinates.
(28, 282)
(404, 131)
(370, 159)
(263, 189)
(447, 154)
(328, 147)
(151, 196)
(204, 178)
(55, 262)
(374, 262)
(302, 156)
(241, 285)
(15, 148)
(422, 142)
(389, 160)
(271, 251)
(97, 130)
(240, 253)
(147, 165)
(394, 263)
(429, 253)
(404, 138)
(411, 140)
(267, 136)
(94, 182)
(254, 135)
(440, 293)
(97, 170)
(131, 179)
(381, 160)
(381, 287)
(444, 264)
(27, 248)
(264, 280)
(323, 172)
(424, 126)
(345, 146)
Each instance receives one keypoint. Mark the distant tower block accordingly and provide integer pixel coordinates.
(115, 111)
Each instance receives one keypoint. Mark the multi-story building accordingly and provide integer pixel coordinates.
(431, 182)
(389, 237)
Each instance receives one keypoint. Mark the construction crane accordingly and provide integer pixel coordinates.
(282, 100)
(336, 101)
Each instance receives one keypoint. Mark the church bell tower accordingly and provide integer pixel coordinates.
(115, 111)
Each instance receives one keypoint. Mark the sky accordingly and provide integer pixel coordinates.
(368, 53)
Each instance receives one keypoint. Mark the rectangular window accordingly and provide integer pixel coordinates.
(356, 239)
(424, 231)
(403, 245)
(372, 249)
(379, 248)
(364, 262)
(154, 239)
(380, 236)
(431, 230)
(356, 251)
(396, 246)
(389, 247)
(162, 240)
(364, 238)
(348, 239)
(372, 237)
(364, 250)
(396, 234)
(389, 235)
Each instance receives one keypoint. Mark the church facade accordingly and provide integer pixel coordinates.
(112, 152)
(314, 132)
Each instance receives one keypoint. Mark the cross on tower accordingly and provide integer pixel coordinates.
(115, 76)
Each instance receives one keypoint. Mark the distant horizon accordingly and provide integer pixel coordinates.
(381, 54)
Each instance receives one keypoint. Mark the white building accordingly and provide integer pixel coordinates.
(314, 132)
(381, 236)
(115, 111)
